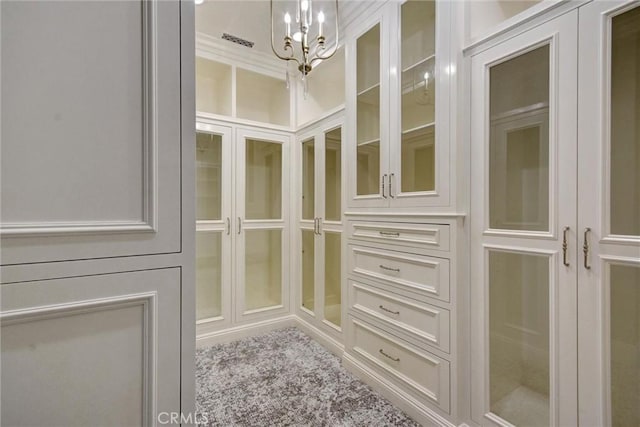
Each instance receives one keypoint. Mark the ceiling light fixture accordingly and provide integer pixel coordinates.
(307, 53)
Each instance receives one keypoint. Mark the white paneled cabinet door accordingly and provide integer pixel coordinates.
(213, 226)
(262, 243)
(91, 146)
(96, 179)
(609, 214)
(523, 196)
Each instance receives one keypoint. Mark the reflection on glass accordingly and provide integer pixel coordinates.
(208, 274)
(208, 176)
(519, 338)
(333, 175)
(263, 269)
(368, 179)
(519, 142)
(308, 278)
(263, 185)
(332, 282)
(308, 179)
(418, 160)
(418, 88)
(625, 345)
(625, 128)
(368, 112)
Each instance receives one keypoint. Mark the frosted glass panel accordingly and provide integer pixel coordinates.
(263, 186)
(519, 143)
(263, 269)
(418, 95)
(625, 124)
(208, 274)
(625, 345)
(332, 282)
(519, 338)
(308, 179)
(308, 270)
(333, 175)
(368, 112)
(208, 176)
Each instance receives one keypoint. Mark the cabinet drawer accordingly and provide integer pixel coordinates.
(422, 374)
(418, 274)
(411, 235)
(427, 324)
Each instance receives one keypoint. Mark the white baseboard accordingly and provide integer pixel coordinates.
(326, 340)
(390, 391)
(244, 331)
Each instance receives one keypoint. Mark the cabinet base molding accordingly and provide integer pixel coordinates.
(326, 340)
(244, 331)
(395, 395)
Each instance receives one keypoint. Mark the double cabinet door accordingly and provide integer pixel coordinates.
(321, 225)
(398, 100)
(555, 222)
(241, 217)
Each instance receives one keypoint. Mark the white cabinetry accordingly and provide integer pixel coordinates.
(555, 255)
(398, 102)
(321, 231)
(242, 215)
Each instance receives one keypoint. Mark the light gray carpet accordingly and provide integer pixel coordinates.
(284, 378)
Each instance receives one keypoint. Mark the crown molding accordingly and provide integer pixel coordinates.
(219, 50)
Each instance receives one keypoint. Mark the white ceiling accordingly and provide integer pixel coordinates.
(250, 19)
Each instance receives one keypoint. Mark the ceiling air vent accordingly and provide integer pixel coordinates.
(237, 40)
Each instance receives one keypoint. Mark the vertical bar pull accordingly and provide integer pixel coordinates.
(228, 226)
(319, 226)
(585, 248)
(384, 178)
(565, 245)
(315, 225)
(239, 225)
(390, 185)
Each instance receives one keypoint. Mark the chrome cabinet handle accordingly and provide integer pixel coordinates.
(319, 226)
(395, 359)
(390, 185)
(382, 307)
(228, 226)
(389, 233)
(565, 245)
(239, 225)
(384, 267)
(585, 248)
(315, 225)
(384, 178)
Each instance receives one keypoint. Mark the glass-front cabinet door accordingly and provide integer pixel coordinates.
(321, 226)
(260, 225)
(367, 84)
(213, 226)
(419, 121)
(609, 214)
(524, 148)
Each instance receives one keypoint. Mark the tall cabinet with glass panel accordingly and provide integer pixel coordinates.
(399, 101)
(321, 224)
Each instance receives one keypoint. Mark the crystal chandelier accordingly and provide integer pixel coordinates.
(298, 47)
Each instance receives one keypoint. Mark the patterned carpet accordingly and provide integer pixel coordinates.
(284, 378)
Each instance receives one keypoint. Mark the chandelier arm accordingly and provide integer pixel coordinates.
(284, 58)
(318, 56)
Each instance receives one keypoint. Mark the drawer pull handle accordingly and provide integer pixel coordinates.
(390, 233)
(395, 359)
(382, 307)
(384, 267)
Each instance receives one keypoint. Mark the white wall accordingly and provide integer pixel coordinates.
(482, 15)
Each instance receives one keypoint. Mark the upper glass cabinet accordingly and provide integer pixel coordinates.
(399, 101)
